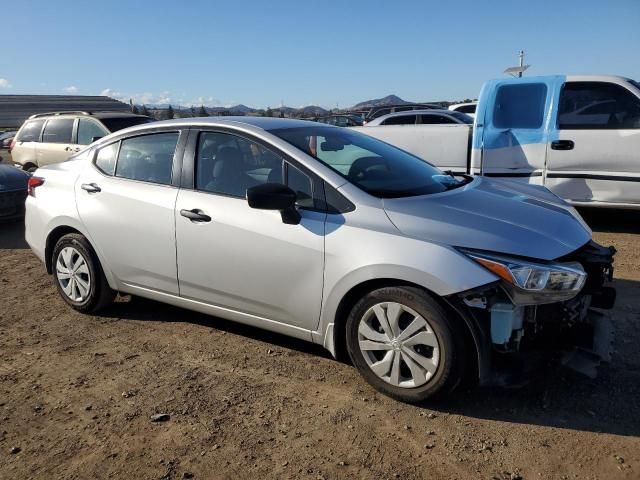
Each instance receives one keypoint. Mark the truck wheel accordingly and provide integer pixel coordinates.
(78, 275)
(401, 341)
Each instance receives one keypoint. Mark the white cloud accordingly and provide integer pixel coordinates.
(4, 83)
(109, 92)
(70, 89)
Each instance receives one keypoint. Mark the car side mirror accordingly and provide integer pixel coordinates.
(275, 196)
(95, 139)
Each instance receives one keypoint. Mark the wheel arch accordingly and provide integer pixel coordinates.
(61, 230)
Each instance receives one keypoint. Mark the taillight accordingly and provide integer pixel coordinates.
(12, 144)
(33, 183)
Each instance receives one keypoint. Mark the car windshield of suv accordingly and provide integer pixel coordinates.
(118, 123)
(376, 167)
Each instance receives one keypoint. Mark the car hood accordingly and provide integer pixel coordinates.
(12, 179)
(494, 215)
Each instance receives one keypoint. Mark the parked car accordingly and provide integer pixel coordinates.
(376, 112)
(327, 235)
(5, 142)
(53, 137)
(577, 135)
(13, 192)
(468, 108)
(341, 120)
(422, 117)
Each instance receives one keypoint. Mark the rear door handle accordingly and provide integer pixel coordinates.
(91, 187)
(562, 145)
(195, 215)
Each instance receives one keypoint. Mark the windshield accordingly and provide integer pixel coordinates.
(376, 167)
(118, 123)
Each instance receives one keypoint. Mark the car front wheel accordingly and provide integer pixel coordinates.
(402, 342)
(78, 275)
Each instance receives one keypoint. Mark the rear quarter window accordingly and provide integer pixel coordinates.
(30, 132)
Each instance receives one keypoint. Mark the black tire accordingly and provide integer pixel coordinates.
(100, 294)
(30, 167)
(450, 368)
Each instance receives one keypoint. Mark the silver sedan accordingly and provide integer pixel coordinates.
(323, 234)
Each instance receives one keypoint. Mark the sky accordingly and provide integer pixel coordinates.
(305, 52)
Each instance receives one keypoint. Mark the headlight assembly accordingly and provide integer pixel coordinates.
(530, 283)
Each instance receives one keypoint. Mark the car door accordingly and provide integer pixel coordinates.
(126, 199)
(513, 127)
(57, 143)
(595, 158)
(247, 263)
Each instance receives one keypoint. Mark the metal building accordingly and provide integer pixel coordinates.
(15, 109)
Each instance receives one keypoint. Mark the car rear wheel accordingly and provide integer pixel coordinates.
(403, 344)
(78, 275)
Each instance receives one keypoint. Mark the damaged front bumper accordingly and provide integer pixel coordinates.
(511, 337)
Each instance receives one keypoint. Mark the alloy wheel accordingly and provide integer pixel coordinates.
(73, 274)
(398, 344)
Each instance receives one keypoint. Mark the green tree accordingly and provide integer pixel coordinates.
(144, 111)
(269, 112)
(202, 112)
(193, 111)
(170, 113)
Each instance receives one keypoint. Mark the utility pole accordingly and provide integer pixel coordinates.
(519, 70)
(521, 56)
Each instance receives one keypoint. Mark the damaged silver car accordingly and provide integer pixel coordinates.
(328, 235)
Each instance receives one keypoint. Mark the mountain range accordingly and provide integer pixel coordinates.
(310, 110)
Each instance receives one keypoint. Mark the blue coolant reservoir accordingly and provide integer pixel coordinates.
(505, 318)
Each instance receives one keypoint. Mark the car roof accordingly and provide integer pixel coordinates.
(80, 114)
(264, 123)
(429, 111)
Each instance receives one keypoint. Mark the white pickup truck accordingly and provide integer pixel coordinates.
(577, 135)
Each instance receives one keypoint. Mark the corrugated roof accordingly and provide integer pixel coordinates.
(15, 109)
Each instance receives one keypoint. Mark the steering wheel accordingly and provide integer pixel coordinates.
(364, 166)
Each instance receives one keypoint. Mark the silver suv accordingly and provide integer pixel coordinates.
(48, 138)
(327, 235)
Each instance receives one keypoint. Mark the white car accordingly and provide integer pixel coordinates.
(467, 108)
(422, 117)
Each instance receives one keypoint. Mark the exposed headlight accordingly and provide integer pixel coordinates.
(534, 283)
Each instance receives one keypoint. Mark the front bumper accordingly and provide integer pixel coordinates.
(510, 339)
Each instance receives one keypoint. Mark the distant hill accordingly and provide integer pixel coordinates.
(308, 111)
(379, 102)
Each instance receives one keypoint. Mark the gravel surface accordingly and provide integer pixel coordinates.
(154, 392)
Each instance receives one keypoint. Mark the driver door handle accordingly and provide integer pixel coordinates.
(91, 187)
(195, 215)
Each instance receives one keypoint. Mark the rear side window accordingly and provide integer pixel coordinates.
(401, 120)
(88, 130)
(597, 106)
(58, 130)
(147, 158)
(30, 131)
(520, 106)
(435, 120)
(106, 159)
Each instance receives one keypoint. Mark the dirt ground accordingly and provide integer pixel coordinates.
(77, 394)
